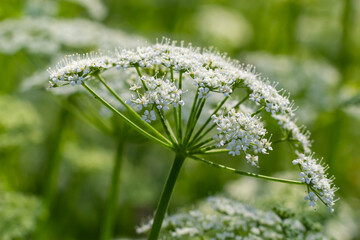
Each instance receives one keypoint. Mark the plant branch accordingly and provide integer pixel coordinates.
(249, 174)
(131, 111)
(108, 223)
(197, 116)
(180, 110)
(126, 120)
(198, 138)
(208, 120)
(165, 197)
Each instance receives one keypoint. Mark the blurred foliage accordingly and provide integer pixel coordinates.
(18, 215)
(311, 47)
(19, 123)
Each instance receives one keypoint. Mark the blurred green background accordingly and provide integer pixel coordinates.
(311, 47)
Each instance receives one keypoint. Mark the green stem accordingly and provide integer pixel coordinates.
(126, 120)
(162, 117)
(258, 111)
(241, 101)
(176, 119)
(205, 149)
(166, 126)
(79, 113)
(249, 174)
(140, 75)
(192, 113)
(211, 151)
(108, 224)
(198, 138)
(52, 172)
(54, 160)
(180, 111)
(204, 134)
(201, 144)
(208, 120)
(197, 116)
(131, 111)
(165, 196)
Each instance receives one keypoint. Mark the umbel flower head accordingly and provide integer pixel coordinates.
(172, 77)
(224, 218)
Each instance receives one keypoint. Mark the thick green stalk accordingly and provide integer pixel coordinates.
(108, 223)
(52, 172)
(54, 160)
(165, 196)
(249, 174)
(126, 120)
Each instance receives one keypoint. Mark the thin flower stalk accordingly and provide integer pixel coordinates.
(108, 222)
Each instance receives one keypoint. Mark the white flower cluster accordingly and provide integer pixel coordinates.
(302, 136)
(49, 36)
(212, 72)
(241, 132)
(222, 218)
(209, 72)
(199, 66)
(314, 175)
(281, 109)
(160, 93)
(316, 78)
(76, 68)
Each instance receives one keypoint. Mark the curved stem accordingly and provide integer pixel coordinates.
(165, 197)
(126, 120)
(131, 111)
(108, 224)
(249, 174)
(258, 111)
